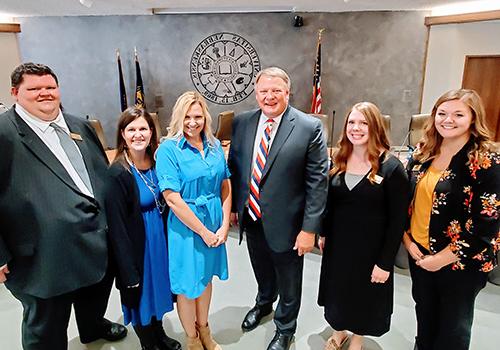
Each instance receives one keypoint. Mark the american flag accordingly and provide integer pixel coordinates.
(316, 95)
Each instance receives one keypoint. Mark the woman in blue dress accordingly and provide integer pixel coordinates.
(194, 179)
(137, 231)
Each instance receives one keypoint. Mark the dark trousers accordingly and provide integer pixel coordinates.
(45, 321)
(444, 306)
(276, 274)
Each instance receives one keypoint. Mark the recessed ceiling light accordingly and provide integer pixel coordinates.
(87, 3)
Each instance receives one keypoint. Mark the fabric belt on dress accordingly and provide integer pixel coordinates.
(202, 201)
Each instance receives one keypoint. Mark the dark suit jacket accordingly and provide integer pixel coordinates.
(293, 188)
(52, 236)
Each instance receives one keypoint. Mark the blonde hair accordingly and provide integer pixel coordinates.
(181, 107)
(274, 72)
(377, 139)
(431, 141)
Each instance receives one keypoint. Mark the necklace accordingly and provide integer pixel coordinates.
(150, 184)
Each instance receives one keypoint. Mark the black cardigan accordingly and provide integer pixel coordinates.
(465, 210)
(126, 226)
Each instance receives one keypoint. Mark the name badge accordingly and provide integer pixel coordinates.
(378, 179)
(76, 137)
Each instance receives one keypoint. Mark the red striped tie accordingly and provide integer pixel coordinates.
(258, 168)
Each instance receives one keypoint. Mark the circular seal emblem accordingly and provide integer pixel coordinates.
(223, 68)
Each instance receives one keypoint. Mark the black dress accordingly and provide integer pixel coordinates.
(363, 227)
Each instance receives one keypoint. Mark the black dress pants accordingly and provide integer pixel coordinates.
(277, 274)
(45, 321)
(444, 305)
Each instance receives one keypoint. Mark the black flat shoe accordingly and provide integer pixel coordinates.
(254, 316)
(280, 341)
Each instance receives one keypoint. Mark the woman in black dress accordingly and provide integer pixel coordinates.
(364, 222)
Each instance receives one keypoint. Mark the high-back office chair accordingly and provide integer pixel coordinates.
(3, 108)
(414, 135)
(156, 121)
(326, 124)
(417, 128)
(225, 126)
(96, 124)
(386, 119)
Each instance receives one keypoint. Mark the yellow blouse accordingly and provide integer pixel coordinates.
(422, 206)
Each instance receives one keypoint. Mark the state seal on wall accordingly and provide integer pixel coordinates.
(223, 68)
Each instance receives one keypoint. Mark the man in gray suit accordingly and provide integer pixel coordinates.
(278, 162)
(53, 250)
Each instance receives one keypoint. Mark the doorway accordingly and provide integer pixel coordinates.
(482, 73)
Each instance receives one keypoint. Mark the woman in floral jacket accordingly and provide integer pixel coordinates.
(453, 231)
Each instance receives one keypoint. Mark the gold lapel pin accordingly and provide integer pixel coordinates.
(75, 136)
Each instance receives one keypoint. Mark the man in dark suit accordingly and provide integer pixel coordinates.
(278, 162)
(53, 250)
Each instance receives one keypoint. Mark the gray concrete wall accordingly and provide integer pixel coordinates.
(372, 56)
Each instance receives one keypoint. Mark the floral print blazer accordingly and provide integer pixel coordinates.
(465, 209)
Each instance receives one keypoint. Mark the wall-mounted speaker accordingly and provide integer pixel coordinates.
(298, 21)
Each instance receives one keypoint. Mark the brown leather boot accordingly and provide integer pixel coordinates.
(194, 343)
(206, 338)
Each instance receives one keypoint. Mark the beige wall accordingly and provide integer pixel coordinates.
(9, 59)
(448, 46)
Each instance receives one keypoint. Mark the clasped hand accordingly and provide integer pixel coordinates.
(214, 240)
(431, 263)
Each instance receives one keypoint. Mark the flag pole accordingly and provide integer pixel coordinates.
(123, 93)
(331, 134)
(320, 34)
(139, 86)
(317, 76)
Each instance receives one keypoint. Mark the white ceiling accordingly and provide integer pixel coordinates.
(20, 8)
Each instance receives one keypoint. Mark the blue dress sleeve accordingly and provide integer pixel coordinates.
(167, 167)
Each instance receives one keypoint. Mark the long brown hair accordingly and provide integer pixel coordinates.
(431, 141)
(377, 140)
(127, 117)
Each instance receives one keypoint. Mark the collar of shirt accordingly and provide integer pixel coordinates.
(38, 123)
(263, 119)
(183, 142)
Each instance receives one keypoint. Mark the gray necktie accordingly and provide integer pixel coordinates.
(73, 154)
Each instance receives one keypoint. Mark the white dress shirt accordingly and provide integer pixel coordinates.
(49, 136)
(260, 132)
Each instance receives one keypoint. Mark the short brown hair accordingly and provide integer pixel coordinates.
(16, 78)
